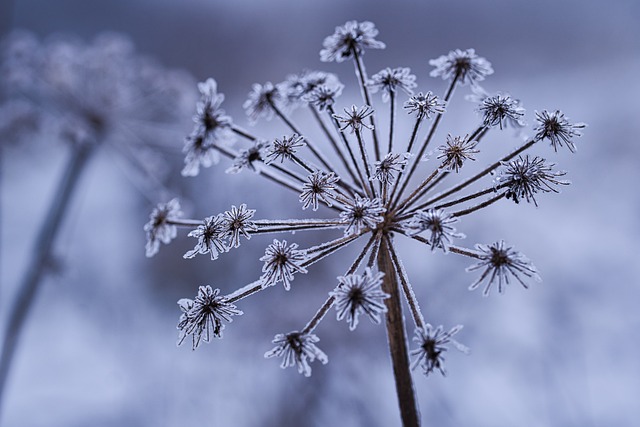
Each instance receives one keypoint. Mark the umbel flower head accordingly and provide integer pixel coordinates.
(371, 199)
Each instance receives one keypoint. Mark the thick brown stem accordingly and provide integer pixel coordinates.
(398, 340)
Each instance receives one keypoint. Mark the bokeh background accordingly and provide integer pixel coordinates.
(99, 348)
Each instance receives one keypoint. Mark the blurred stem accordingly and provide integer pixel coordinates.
(41, 258)
(397, 339)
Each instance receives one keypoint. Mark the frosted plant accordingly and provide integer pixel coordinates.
(90, 96)
(373, 199)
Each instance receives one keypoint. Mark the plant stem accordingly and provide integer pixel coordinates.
(397, 338)
(41, 257)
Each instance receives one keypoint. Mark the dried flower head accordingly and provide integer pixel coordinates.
(210, 235)
(439, 224)
(501, 110)
(238, 223)
(349, 40)
(202, 318)
(432, 345)
(296, 88)
(262, 101)
(524, 177)
(498, 262)
(557, 129)
(297, 349)
(160, 228)
(377, 200)
(424, 105)
(281, 261)
(360, 293)
(248, 158)
(456, 151)
(354, 118)
(388, 81)
(462, 65)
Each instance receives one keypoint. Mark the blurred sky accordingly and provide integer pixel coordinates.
(100, 347)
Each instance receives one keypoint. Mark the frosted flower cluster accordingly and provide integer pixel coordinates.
(376, 188)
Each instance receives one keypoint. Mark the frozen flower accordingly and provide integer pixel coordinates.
(237, 223)
(159, 228)
(524, 177)
(262, 100)
(297, 349)
(385, 169)
(247, 157)
(297, 87)
(390, 80)
(363, 213)
(456, 151)
(354, 118)
(281, 262)
(360, 293)
(352, 37)
(465, 66)
(440, 226)
(319, 187)
(432, 344)
(498, 262)
(198, 152)
(284, 148)
(202, 318)
(210, 236)
(323, 97)
(424, 105)
(557, 129)
(501, 110)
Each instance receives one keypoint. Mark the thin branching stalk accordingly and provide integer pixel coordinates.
(362, 79)
(40, 261)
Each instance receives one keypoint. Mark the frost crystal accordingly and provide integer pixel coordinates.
(202, 318)
(210, 236)
(363, 213)
(354, 118)
(498, 262)
(261, 102)
(237, 223)
(501, 110)
(297, 349)
(247, 158)
(284, 148)
(385, 169)
(389, 80)
(456, 151)
(360, 293)
(424, 105)
(323, 97)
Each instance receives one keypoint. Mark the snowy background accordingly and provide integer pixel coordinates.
(100, 349)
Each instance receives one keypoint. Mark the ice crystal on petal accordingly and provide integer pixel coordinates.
(424, 105)
(557, 129)
(281, 262)
(501, 110)
(360, 293)
(438, 223)
(320, 186)
(323, 97)
(351, 37)
(247, 158)
(465, 65)
(432, 343)
(297, 349)
(524, 177)
(355, 118)
(237, 223)
(210, 235)
(202, 318)
(284, 148)
(362, 213)
(498, 262)
(456, 151)
(390, 80)
(159, 229)
(261, 101)
(385, 169)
